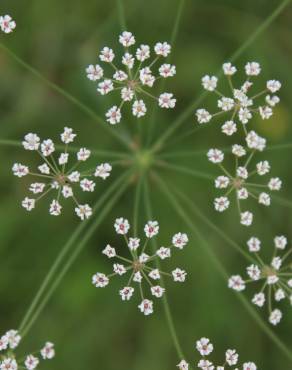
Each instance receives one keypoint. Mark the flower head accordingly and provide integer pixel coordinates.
(139, 265)
(7, 24)
(54, 177)
(133, 77)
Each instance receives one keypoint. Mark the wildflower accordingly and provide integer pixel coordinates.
(140, 264)
(241, 181)
(56, 177)
(240, 106)
(133, 77)
(274, 277)
(8, 361)
(183, 365)
(7, 24)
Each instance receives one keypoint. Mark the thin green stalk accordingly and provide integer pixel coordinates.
(83, 107)
(121, 14)
(64, 252)
(137, 204)
(167, 311)
(189, 110)
(185, 170)
(261, 323)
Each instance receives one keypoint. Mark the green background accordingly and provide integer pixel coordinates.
(94, 328)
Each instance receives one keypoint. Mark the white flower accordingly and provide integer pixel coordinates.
(275, 184)
(238, 150)
(109, 251)
(48, 351)
(127, 39)
(242, 172)
(7, 24)
(167, 70)
(128, 60)
(20, 170)
(180, 240)
(254, 244)
(120, 75)
(215, 155)
(279, 295)
(242, 193)
(264, 199)
(68, 135)
(229, 69)
(166, 100)
(37, 187)
(275, 317)
(146, 77)
(154, 274)
(107, 55)
(209, 82)
(8, 363)
(226, 104)
(205, 365)
(252, 69)
(139, 108)
(113, 115)
(74, 176)
(44, 168)
(94, 72)
(162, 48)
(83, 211)
(47, 147)
(138, 277)
(83, 154)
(122, 226)
(100, 280)
(105, 87)
(183, 365)
(3, 342)
(31, 362)
(246, 218)
(163, 253)
(179, 275)
(119, 269)
(231, 357)
(265, 112)
(249, 366)
(236, 282)
(151, 229)
(221, 204)
(244, 115)
(55, 208)
(143, 258)
(254, 272)
(126, 293)
(276, 263)
(146, 307)
(134, 244)
(222, 182)
(263, 168)
(280, 242)
(13, 338)
(203, 116)
(103, 170)
(204, 346)
(127, 94)
(254, 141)
(87, 185)
(272, 279)
(259, 299)
(229, 128)
(273, 86)
(63, 158)
(272, 100)
(157, 291)
(143, 53)
(28, 203)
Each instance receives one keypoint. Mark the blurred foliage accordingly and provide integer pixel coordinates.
(94, 329)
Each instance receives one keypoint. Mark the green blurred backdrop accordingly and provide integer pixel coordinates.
(93, 328)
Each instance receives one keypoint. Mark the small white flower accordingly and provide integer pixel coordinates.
(238, 150)
(203, 116)
(139, 108)
(94, 72)
(226, 104)
(146, 77)
(120, 75)
(107, 55)
(126, 293)
(166, 100)
(119, 269)
(276, 263)
(246, 218)
(55, 208)
(259, 299)
(204, 346)
(47, 147)
(28, 203)
(37, 187)
(244, 115)
(263, 168)
(231, 357)
(167, 70)
(83, 154)
(146, 307)
(103, 170)
(68, 135)
(31, 142)
(180, 240)
(127, 94)
(252, 69)
(272, 279)
(143, 258)
(273, 86)
(221, 204)
(122, 226)
(100, 280)
(113, 115)
(128, 60)
(151, 229)
(143, 53)
(67, 191)
(254, 244)
(20, 170)
(74, 176)
(154, 274)
(229, 128)
(163, 253)
(162, 48)
(44, 168)
(209, 82)
(3, 342)
(8, 363)
(157, 291)
(242, 193)
(127, 39)
(183, 365)
(275, 184)
(222, 182)
(179, 275)
(215, 155)
(109, 251)
(275, 317)
(254, 141)
(31, 362)
(236, 282)
(272, 100)
(280, 242)
(254, 272)
(266, 112)
(13, 338)
(249, 366)
(229, 69)
(242, 172)
(83, 211)
(205, 365)
(279, 295)
(134, 244)
(87, 185)
(7, 24)
(264, 199)
(63, 158)
(48, 352)
(105, 87)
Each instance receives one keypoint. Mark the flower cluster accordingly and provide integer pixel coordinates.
(241, 182)
(9, 342)
(239, 105)
(54, 175)
(132, 81)
(205, 348)
(139, 265)
(275, 278)
(7, 24)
